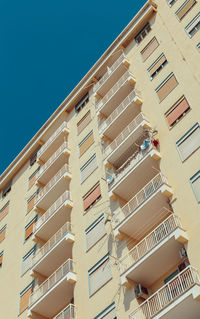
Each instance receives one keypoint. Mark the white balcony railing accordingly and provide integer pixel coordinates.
(63, 231)
(141, 197)
(51, 139)
(68, 313)
(113, 90)
(59, 202)
(128, 165)
(149, 242)
(124, 134)
(110, 70)
(128, 100)
(44, 167)
(167, 294)
(65, 169)
(61, 272)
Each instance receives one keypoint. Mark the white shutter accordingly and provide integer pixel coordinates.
(190, 143)
(95, 233)
(88, 168)
(110, 315)
(100, 276)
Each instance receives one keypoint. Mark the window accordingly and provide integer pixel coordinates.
(27, 260)
(88, 168)
(84, 122)
(198, 46)
(6, 189)
(1, 258)
(142, 34)
(177, 111)
(195, 182)
(90, 198)
(165, 88)
(184, 9)
(86, 142)
(31, 201)
(2, 233)
(171, 2)
(189, 143)
(149, 49)
(24, 297)
(29, 228)
(95, 232)
(33, 157)
(99, 274)
(4, 210)
(157, 66)
(83, 101)
(193, 26)
(108, 313)
(32, 178)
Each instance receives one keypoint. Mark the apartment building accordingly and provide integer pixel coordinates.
(99, 213)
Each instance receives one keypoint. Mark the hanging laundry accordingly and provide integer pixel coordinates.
(145, 144)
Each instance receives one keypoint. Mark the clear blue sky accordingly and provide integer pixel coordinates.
(46, 47)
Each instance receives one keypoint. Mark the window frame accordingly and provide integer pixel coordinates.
(29, 253)
(184, 137)
(2, 229)
(173, 107)
(147, 25)
(2, 209)
(7, 189)
(31, 285)
(160, 67)
(32, 175)
(181, 7)
(163, 83)
(170, 1)
(90, 191)
(190, 23)
(193, 179)
(106, 311)
(29, 199)
(82, 102)
(92, 226)
(94, 156)
(27, 226)
(32, 157)
(1, 254)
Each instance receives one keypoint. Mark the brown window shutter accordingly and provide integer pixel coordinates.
(92, 197)
(180, 109)
(184, 10)
(86, 144)
(4, 211)
(2, 235)
(166, 88)
(157, 65)
(1, 259)
(84, 122)
(149, 49)
(32, 180)
(24, 300)
(30, 203)
(29, 230)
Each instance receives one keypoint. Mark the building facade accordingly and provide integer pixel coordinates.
(99, 213)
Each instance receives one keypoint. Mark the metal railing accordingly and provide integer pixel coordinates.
(68, 313)
(52, 159)
(110, 70)
(63, 231)
(149, 242)
(129, 164)
(52, 182)
(61, 272)
(113, 90)
(51, 139)
(59, 202)
(141, 197)
(123, 135)
(167, 294)
(123, 105)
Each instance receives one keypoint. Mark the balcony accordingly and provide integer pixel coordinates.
(56, 161)
(158, 252)
(54, 251)
(54, 217)
(122, 115)
(114, 72)
(116, 94)
(144, 208)
(55, 292)
(179, 298)
(53, 189)
(125, 140)
(52, 143)
(68, 313)
(136, 168)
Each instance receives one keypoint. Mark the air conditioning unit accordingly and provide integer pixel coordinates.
(183, 252)
(141, 292)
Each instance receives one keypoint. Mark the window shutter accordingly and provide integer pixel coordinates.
(176, 113)
(100, 276)
(86, 143)
(110, 315)
(196, 186)
(164, 90)
(190, 143)
(27, 260)
(183, 10)
(2, 233)
(95, 232)
(29, 228)
(31, 202)
(194, 23)
(84, 122)
(149, 49)
(1, 257)
(88, 168)
(4, 211)
(157, 65)
(91, 197)
(24, 299)
(32, 179)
